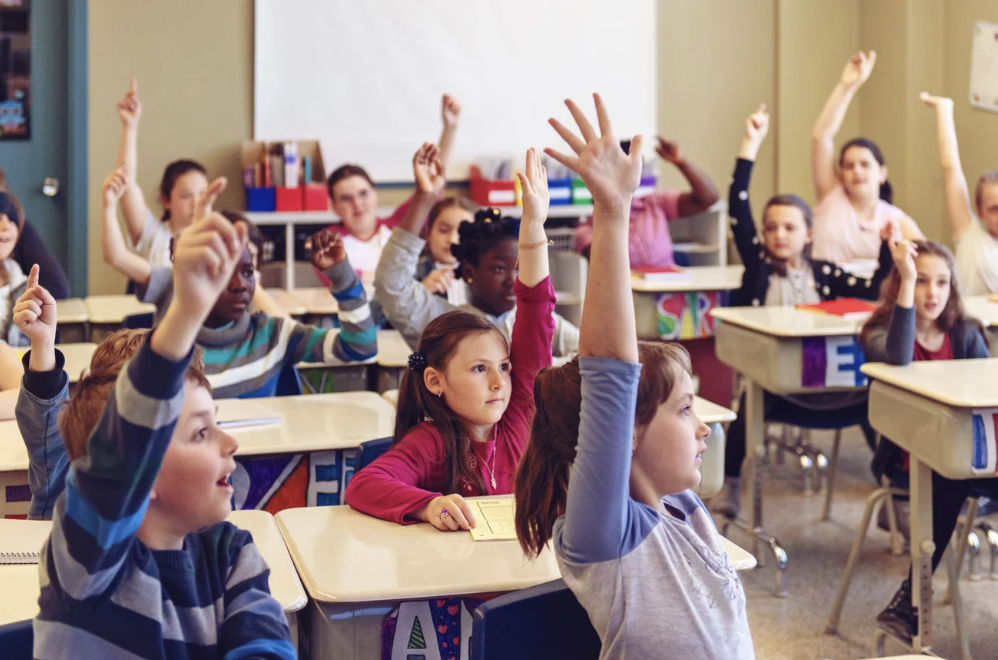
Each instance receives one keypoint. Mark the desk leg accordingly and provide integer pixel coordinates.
(922, 548)
(289, 256)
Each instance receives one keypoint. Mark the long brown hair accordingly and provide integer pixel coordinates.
(417, 404)
(542, 478)
(952, 314)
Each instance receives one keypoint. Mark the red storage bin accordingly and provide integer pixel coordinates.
(491, 192)
(313, 197)
(287, 199)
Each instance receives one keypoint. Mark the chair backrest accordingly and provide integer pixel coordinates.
(288, 383)
(369, 451)
(545, 621)
(16, 640)
(137, 322)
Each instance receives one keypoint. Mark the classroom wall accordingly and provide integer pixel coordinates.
(197, 93)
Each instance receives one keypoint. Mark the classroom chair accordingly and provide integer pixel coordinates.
(369, 451)
(16, 640)
(288, 382)
(537, 623)
(137, 322)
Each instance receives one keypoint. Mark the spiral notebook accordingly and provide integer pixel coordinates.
(21, 541)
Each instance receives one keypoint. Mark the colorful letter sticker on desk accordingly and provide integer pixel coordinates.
(687, 315)
(831, 362)
(985, 459)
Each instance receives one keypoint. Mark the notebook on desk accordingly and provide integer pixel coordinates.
(660, 273)
(21, 541)
(240, 413)
(493, 519)
(850, 308)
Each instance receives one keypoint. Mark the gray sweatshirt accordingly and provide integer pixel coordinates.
(409, 307)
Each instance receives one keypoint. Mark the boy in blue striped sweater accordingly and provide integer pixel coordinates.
(139, 564)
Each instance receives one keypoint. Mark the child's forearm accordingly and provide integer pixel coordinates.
(416, 212)
(533, 254)
(834, 112)
(447, 144)
(42, 356)
(128, 151)
(701, 185)
(116, 253)
(749, 149)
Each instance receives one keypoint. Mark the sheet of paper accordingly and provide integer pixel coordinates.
(494, 519)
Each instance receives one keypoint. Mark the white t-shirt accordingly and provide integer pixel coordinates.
(977, 261)
(364, 255)
(154, 242)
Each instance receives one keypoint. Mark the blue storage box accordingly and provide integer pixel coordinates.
(261, 200)
(560, 191)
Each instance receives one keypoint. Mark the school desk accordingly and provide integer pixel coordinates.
(680, 309)
(357, 569)
(71, 317)
(21, 588)
(943, 413)
(287, 301)
(785, 351)
(987, 313)
(306, 458)
(77, 358)
(285, 586)
(106, 313)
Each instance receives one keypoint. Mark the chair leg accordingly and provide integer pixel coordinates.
(830, 479)
(991, 538)
(879, 495)
(954, 586)
(963, 534)
(897, 541)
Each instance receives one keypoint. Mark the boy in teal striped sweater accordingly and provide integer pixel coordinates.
(139, 563)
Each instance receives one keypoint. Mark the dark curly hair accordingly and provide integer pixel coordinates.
(480, 236)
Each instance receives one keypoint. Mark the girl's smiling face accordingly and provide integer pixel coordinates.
(8, 236)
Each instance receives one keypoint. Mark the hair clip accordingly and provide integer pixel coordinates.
(488, 215)
(417, 361)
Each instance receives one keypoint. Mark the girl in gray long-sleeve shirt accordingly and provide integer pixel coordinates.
(614, 449)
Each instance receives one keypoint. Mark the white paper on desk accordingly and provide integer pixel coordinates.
(21, 541)
(493, 519)
(237, 413)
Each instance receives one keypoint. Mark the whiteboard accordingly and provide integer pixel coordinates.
(984, 67)
(366, 77)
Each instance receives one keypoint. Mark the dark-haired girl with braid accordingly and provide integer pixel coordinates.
(487, 261)
(466, 399)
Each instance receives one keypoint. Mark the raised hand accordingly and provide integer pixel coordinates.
(534, 187)
(130, 107)
(858, 69)
(757, 124)
(113, 187)
(669, 151)
(936, 101)
(327, 249)
(610, 175)
(35, 312)
(204, 259)
(428, 170)
(891, 231)
(904, 253)
(439, 281)
(451, 111)
(205, 202)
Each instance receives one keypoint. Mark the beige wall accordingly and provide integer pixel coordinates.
(197, 93)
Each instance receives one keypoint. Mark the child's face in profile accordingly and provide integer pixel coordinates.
(932, 286)
(491, 282)
(236, 298)
(444, 234)
(192, 490)
(784, 232)
(667, 451)
(8, 236)
(183, 198)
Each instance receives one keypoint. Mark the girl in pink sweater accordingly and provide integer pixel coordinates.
(466, 400)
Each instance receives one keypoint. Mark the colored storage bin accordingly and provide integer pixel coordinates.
(314, 198)
(287, 199)
(581, 194)
(560, 191)
(491, 192)
(260, 200)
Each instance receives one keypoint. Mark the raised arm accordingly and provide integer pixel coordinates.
(451, 113)
(133, 204)
(116, 253)
(856, 71)
(958, 207)
(703, 192)
(895, 344)
(739, 206)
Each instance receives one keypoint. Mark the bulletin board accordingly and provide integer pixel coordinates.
(984, 67)
(366, 77)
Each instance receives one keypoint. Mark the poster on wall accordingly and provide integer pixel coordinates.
(984, 67)
(15, 70)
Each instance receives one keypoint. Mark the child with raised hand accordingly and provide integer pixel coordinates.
(614, 448)
(44, 388)
(487, 262)
(854, 201)
(139, 562)
(466, 400)
(437, 264)
(183, 182)
(12, 278)
(780, 271)
(975, 236)
(921, 317)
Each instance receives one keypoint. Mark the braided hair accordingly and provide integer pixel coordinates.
(488, 229)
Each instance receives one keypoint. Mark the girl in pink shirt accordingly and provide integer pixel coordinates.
(475, 390)
(854, 202)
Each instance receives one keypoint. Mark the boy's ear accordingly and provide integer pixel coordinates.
(432, 380)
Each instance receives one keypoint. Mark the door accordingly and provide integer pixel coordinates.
(45, 161)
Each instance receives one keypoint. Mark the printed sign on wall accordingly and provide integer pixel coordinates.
(831, 362)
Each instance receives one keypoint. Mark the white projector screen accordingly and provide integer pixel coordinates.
(365, 77)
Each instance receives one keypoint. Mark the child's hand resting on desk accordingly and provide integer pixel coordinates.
(428, 169)
(610, 175)
(130, 107)
(113, 187)
(35, 312)
(534, 187)
(327, 249)
(448, 513)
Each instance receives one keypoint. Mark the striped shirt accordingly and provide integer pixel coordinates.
(244, 359)
(104, 593)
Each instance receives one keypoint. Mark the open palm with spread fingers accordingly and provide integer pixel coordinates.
(611, 175)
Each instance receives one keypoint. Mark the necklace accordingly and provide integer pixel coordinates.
(495, 450)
